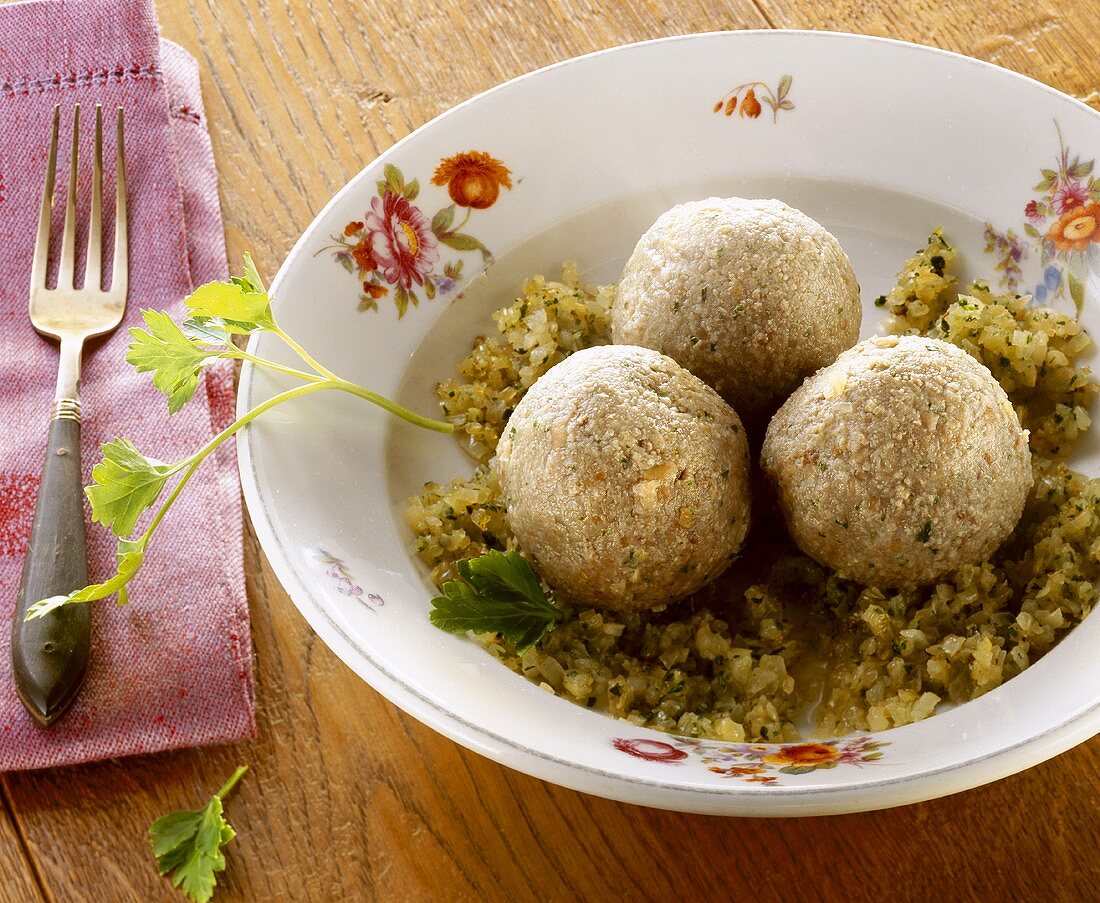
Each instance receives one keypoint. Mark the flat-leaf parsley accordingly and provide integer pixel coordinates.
(127, 483)
(497, 593)
(188, 845)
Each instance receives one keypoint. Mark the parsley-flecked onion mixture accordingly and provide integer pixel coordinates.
(779, 641)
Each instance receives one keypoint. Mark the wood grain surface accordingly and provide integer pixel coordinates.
(348, 798)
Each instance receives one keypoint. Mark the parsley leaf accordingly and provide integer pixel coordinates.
(188, 844)
(504, 575)
(234, 304)
(497, 593)
(125, 484)
(250, 279)
(129, 557)
(208, 331)
(174, 359)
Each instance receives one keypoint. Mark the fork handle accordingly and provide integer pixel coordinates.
(50, 655)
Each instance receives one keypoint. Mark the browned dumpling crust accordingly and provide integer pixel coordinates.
(625, 478)
(752, 296)
(900, 462)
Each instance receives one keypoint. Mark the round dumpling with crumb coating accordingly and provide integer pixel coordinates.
(625, 478)
(752, 296)
(899, 463)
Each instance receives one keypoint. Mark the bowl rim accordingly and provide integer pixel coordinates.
(1008, 760)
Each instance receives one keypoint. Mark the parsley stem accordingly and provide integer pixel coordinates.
(155, 522)
(261, 408)
(240, 355)
(232, 782)
(440, 426)
(198, 457)
(315, 385)
(304, 355)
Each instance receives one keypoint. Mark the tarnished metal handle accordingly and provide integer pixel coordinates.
(50, 654)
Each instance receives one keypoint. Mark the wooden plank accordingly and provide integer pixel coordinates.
(348, 797)
(1054, 44)
(18, 881)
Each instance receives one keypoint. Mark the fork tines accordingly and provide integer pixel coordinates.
(93, 268)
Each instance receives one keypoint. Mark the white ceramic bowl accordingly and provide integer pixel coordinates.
(880, 141)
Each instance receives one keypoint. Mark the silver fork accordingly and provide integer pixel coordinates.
(50, 655)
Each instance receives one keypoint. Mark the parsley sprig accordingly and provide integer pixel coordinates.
(188, 844)
(127, 483)
(497, 593)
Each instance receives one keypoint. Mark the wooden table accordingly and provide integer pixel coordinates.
(348, 798)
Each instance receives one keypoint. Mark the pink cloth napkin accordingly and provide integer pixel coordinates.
(173, 668)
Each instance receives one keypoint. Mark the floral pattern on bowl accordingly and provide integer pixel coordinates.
(625, 115)
(1061, 225)
(746, 99)
(337, 570)
(396, 246)
(756, 763)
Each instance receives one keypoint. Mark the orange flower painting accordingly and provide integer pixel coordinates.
(750, 106)
(757, 763)
(361, 252)
(738, 770)
(473, 179)
(1061, 233)
(749, 99)
(402, 251)
(1075, 228)
(802, 754)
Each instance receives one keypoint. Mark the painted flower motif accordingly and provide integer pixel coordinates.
(1010, 251)
(401, 240)
(803, 754)
(361, 251)
(738, 770)
(649, 750)
(750, 106)
(452, 272)
(338, 572)
(757, 763)
(1076, 228)
(757, 95)
(1069, 196)
(396, 248)
(473, 179)
(1061, 232)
